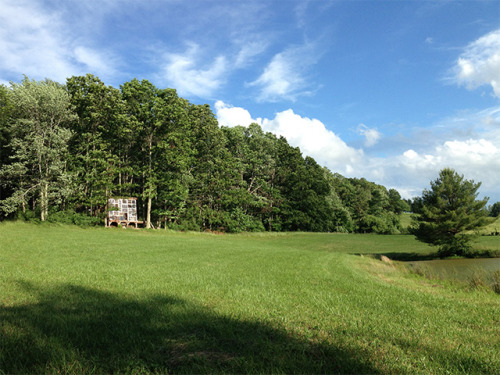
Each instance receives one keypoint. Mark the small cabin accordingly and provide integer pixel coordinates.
(123, 212)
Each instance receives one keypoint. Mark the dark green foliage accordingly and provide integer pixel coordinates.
(254, 160)
(448, 210)
(93, 147)
(416, 205)
(396, 204)
(145, 107)
(186, 172)
(304, 189)
(73, 218)
(495, 209)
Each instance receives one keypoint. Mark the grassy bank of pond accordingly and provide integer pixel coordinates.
(102, 300)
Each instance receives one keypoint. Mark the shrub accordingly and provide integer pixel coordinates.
(238, 222)
(71, 217)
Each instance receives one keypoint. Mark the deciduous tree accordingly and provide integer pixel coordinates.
(39, 136)
(93, 145)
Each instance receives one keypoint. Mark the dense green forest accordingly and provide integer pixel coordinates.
(66, 149)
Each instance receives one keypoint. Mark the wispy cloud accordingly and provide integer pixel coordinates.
(189, 76)
(30, 43)
(249, 51)
(479, 64)
(36, 41)
(371, 135)
(95, 61)
(285, 77)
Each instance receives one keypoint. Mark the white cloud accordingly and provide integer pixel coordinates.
(314, 139)
(371, 135)
(233, 116)
(479, 64)
(185, 74)
(472, 150)
(411, 172)
(310, 135)
(283, 77)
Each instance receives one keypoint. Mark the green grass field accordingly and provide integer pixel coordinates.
(84, 301)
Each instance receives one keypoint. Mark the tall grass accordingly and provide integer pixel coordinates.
(123, 301)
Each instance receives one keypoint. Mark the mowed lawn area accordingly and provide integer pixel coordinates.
(84, 301)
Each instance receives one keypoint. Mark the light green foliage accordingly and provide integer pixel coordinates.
(372, 209)
(450, 209)
(39, 135)
(5, 151)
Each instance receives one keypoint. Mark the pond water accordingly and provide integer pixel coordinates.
(459, 269)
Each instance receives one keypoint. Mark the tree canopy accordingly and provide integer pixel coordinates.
(69, 148)
(495, 209)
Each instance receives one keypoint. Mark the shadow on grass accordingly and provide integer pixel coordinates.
(414, 257)
(403, 257)
(72, 329)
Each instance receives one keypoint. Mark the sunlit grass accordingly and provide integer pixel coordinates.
(405, 219)
(491, 228)
(109, 300)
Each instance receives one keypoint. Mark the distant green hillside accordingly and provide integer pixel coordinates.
(491, 228)
(405, 219)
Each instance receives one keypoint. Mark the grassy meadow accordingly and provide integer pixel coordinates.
(85, 301)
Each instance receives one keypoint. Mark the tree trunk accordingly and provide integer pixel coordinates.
(150, 162)
(44, 210)
(148, 214)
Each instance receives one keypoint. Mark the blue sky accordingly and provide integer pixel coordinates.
(392, 91)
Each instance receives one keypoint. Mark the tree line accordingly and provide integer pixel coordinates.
(67, 148)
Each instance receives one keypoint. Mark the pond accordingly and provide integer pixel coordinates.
(458, 269)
